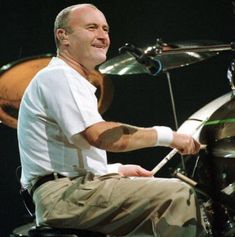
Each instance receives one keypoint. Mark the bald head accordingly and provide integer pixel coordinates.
(62, 19)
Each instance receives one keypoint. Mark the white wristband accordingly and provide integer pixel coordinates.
(164, 136)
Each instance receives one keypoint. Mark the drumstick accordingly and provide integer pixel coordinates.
(173, 153)
(164, 161)
(186, 179)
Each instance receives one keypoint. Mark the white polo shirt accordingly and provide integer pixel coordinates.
(57, 104)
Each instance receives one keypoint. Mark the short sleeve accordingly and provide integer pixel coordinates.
(69, 100)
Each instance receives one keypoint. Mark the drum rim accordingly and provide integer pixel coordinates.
(8, 66)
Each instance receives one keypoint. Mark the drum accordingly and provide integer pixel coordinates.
(219, 135)
(212, 125)
(213, 168)
(196, 121)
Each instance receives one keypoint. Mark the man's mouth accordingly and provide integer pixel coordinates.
(99, 46)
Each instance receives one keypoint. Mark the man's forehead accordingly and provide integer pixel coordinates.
(86, 13)
(83, 7)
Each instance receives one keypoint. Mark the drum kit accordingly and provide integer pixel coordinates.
(213, 174)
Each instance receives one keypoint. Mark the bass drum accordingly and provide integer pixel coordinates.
(15, 77)
(213, 169)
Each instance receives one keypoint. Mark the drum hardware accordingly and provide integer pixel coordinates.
(152, 65)
(230, 189)
(225, 203)
(206, 218)
(174, 110)
(229, 227)
(222, 220)
(225, 197)
(198, 187)
(204, 207)
(231, 76)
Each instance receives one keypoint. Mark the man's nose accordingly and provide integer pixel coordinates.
(102, 33)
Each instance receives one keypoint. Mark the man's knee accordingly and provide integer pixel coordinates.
(175, 186)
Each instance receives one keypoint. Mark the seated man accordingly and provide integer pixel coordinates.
(63, 142)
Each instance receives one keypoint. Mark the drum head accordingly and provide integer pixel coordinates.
(14, 78)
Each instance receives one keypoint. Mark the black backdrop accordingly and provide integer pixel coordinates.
(143, 100)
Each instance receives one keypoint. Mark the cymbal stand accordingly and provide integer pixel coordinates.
(172, 100)
(174, 112)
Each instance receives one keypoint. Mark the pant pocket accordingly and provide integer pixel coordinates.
(94, 193)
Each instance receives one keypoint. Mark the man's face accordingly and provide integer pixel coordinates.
(89, 40)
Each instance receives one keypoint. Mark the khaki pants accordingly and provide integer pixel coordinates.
(119, 206)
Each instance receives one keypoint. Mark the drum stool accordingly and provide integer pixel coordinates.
(46, 231)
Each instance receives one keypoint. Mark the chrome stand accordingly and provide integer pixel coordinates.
(174, 112)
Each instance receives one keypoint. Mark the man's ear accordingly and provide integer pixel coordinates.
(62, 36)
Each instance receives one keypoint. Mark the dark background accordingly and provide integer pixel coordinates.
(143, 100)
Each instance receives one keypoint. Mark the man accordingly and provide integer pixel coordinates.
(63, 138)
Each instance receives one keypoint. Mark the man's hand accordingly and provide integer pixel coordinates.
(185, 144)
(134, 170)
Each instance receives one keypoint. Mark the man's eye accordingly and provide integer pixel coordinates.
(93, 27)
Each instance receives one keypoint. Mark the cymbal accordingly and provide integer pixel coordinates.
(173, 55)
